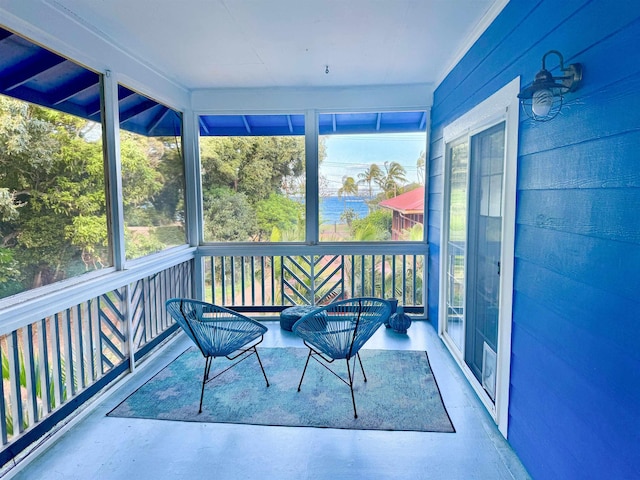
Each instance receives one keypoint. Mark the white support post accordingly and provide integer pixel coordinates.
(312, 191)
(113, 170)
(193, 194)
(115, 203)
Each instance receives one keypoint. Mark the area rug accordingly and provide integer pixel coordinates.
(401, 393)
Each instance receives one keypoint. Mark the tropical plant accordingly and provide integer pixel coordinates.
(369, 177)
(374, 227)
(277, 212)
(348, 215)
(421, 167)
(53, 210)
(392, 178)
(349, 187)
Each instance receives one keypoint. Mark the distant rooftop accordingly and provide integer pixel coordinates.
(408, 202)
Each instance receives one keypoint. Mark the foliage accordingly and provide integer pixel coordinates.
(255, 166)
(228, 216)
(278, 213)
(53, 211)
(421, 167)
(391, 180)
(374, 227)
(370, 176)
(348, 216)
(413, 234)
(349, 187)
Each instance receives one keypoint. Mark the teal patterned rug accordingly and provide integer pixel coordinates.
(400, 393)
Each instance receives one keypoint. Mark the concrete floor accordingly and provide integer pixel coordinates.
(100, 447)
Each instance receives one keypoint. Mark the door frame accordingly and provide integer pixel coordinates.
(501, 106)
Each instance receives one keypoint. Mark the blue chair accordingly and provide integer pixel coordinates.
(218, 332)
(338, 331)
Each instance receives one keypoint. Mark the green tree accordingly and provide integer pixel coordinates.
(259, 167)
(278, 212)
(349, 187)
(348, 215)
(374, 227)
(369, 177)
(392, 178)
(49, 168)
(255, 166)
(53, 221)
(421, 167)
(228, 216)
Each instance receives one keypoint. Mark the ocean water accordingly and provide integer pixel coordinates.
(332, 207)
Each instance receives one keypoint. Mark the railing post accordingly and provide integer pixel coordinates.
(3, 411)
(312, 280)
(129, 330)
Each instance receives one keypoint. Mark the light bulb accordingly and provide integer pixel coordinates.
(542, 102)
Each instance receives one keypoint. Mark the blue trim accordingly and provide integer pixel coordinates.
(43, 428)
(156, 341)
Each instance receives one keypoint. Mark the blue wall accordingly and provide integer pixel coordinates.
(575, 380)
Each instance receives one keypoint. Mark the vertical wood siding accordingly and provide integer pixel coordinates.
(575, 375)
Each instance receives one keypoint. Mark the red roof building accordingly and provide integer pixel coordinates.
(408, 210)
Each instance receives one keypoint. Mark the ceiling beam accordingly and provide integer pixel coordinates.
(85, 81)
(246, 124)
(204, 126)
(423, 120)
(4, 34)
(378, 119)
(290, 123)
(158, 118)
(31, 68)
(94, 108)
(137, 109)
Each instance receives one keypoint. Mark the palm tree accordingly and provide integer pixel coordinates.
(369, 176)
(349, 187)
(420, 165)
(391, 179)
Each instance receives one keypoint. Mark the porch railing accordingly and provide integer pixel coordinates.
(61, 348)
(52, 364)
(269, 283)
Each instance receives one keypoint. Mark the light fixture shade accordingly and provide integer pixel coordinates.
(542, 100)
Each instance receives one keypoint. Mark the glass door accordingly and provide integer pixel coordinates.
(477, 245)
(484, 253)
(473, 250)
(458, 163)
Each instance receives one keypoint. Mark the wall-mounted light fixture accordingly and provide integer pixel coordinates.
(542, 100)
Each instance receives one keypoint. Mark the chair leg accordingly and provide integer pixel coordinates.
(361, 367)
(353, 398)
(260, 362)
(207, 368)
(305, 369)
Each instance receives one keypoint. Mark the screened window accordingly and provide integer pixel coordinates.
(152, 174)
(53, 223)
(253, 178)
(372, 184)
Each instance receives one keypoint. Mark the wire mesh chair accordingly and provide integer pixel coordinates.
(218, 332)
(338, 331)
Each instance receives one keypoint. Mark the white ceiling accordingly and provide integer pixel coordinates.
(288, 43)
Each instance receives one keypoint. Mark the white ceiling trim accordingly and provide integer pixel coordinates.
(300, 99)
(473, 37)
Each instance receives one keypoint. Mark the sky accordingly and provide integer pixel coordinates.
(352, 154)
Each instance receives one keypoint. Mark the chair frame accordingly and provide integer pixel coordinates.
(243, 352)
(325, 360)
